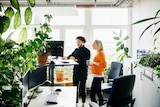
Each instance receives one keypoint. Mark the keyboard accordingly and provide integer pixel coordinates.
(53, 98)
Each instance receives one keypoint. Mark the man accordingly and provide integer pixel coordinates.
(80, 55)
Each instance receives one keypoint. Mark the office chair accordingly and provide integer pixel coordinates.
(115, 71)
(121, 92)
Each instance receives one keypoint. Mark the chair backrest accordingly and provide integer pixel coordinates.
(121, 90)
(115, 71)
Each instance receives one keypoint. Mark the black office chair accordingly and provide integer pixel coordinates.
(115, 71)
(121, 92)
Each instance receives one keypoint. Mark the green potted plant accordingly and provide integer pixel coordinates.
(41, 37)
(122, 49)
(15, 59)
(151, 60)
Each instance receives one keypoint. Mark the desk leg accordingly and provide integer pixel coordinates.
(51, 72)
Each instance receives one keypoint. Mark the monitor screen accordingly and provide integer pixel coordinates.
(34, 79)
(55, 48)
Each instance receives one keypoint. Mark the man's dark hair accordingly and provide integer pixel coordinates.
(81, 38)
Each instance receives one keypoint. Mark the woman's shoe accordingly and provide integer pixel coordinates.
(93, 104)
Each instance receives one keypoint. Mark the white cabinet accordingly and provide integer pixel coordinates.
(137, 91)
(146, 90)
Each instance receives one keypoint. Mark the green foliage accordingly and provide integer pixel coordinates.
(157, 68)
(17, 19)
(22, 35)
(121, 49)
(9, 12)
(151, 60)
(42, 35)
(155, 20)
(15, 59)
(5, 23)
(28, 15)
(15, 4)
(32, 2)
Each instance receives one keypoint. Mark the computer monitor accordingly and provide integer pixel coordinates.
(55, 48)
(34, 79)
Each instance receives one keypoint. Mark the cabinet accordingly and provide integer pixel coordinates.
(146, 89)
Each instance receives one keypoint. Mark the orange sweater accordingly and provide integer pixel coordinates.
(100, 58)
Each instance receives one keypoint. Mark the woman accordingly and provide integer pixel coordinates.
(98, 67)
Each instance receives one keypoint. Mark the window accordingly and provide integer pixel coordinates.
(110, 16)
(69, 20)
(70, 40)
(106, 36)
(55, 35)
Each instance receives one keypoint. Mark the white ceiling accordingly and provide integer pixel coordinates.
(80, 3)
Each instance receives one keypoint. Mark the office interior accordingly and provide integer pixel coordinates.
(95, 20)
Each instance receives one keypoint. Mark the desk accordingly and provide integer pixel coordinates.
(54, 63)
(67, 97)
(65, 82)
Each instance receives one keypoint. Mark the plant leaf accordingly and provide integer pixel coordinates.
(23, 35)
(157, 31)
(4, 23)
(15, 4)
(118, 49)
(144, 20)
(17, 20)
(154, 42)
(29, 49)
(118, 43)
(126, 49)
(157, 13)
(32, 2)
(9, 12)
(28, 16)
(148, 28)
(116, 38)
(126, 38)
(122, 46)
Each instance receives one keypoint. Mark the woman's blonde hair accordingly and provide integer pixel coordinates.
(99, 45)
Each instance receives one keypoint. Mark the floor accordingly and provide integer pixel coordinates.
(105, 95)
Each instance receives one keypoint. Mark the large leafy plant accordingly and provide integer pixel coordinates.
(42, 34)
(122, 49)
(13, 12)
(156, 22)
(151, 60)
(155, 27)
(15, 59)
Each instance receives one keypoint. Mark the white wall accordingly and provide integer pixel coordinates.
(142, 9)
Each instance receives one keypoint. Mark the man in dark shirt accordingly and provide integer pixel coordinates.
(80, 55)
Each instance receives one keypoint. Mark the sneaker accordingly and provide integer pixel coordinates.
(93, 104)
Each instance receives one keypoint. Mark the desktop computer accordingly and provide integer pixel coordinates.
(55, 48)
(33, 79)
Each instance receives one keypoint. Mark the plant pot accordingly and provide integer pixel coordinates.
(60, 76)
(42, 59)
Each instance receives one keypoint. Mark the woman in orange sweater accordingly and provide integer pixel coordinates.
(98, 67)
